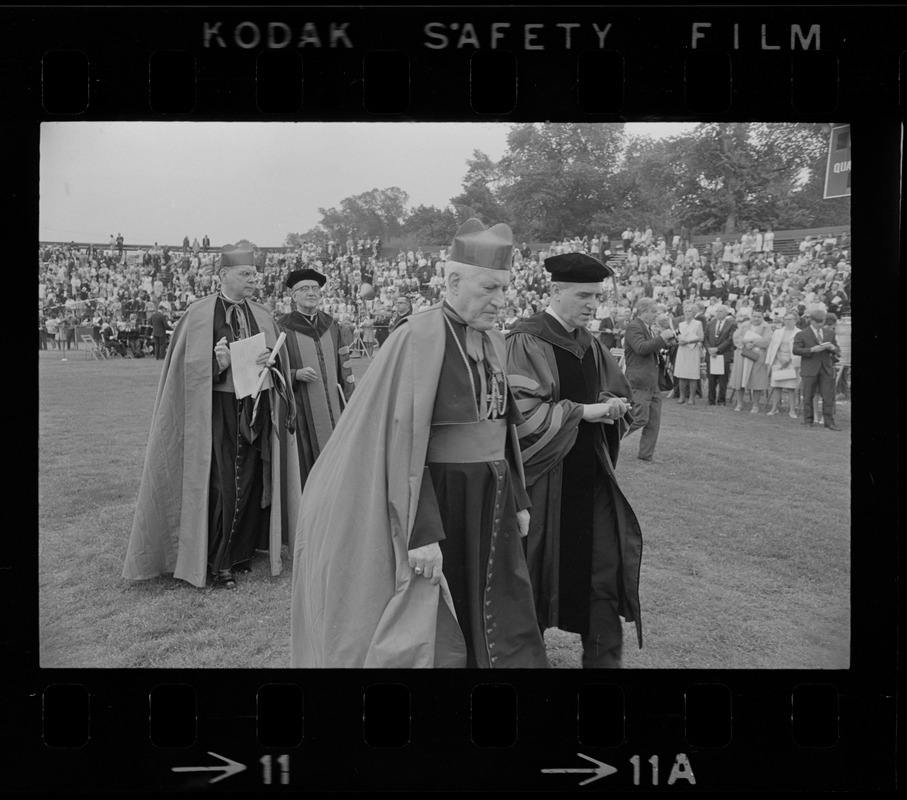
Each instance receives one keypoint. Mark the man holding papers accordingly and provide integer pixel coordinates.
(221, 477)
(719, 344)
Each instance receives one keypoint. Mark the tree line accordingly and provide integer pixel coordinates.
(559, 180)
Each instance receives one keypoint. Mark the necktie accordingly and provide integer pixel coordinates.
(718, 328)
(819, 335)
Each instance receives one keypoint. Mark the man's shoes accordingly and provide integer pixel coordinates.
(225, 580)
(243, 569)
(711, 404)
(830, 425)
(808, 422)
(647, 460)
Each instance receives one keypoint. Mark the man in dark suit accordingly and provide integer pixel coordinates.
(817, 347)
(761, 297)
(159, 325)
(606, 336)
(719, 341)
(642, 345)
(402, 309)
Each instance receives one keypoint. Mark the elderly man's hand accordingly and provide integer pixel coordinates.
(222, 353)
(522, 520)
(306, 374)
(426, 562)
(612, 409)
(616, 407)
(263, 357)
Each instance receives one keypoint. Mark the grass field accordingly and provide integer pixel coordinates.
(746, 564)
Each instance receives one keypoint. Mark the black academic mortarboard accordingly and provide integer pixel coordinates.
(577, 268)
(305, 275)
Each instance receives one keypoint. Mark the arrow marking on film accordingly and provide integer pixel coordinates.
(231, 768)
(602, 770)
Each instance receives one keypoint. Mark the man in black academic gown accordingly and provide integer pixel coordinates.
(584, 544)
(320, 366)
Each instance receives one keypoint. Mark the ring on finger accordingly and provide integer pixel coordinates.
(418, 570)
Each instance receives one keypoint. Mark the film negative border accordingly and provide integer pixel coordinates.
(706, 730)
(337, 63)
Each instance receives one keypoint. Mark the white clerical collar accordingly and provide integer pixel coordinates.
(567, 326)
(230, 300)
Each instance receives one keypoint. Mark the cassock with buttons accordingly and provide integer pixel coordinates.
(315, 340)
(221, 478)
(584, 545)
(421, 455)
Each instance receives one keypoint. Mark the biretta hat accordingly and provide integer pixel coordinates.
(305, 275)
(577, 268)
(478, 246)
(238, 255)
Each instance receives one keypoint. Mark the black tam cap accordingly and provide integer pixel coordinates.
(305, 275)
(577, 268)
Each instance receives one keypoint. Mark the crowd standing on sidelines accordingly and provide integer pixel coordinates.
(116, 291)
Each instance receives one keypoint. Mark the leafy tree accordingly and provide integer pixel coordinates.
(645, 188)
(379, 212)
(804, 206)
(556, 177)
(430, 225)
(317, 235)
(479, 198)
(734, 176)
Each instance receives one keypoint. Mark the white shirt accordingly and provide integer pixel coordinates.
(566, 325)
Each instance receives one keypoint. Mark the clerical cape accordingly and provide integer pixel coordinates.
(356, 601)
(170, 528)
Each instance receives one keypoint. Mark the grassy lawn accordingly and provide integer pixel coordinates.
(744, 564)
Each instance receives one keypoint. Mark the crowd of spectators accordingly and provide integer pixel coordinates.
(120, 288)
(741, 273)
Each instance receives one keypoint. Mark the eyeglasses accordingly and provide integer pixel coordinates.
(308, 289)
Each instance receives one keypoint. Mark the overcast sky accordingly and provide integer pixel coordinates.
(160, 181)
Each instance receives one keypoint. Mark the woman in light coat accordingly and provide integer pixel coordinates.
(753, 335)
(687, 366)
(780, 356)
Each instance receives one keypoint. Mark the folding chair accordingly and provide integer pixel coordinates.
(94, 351)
